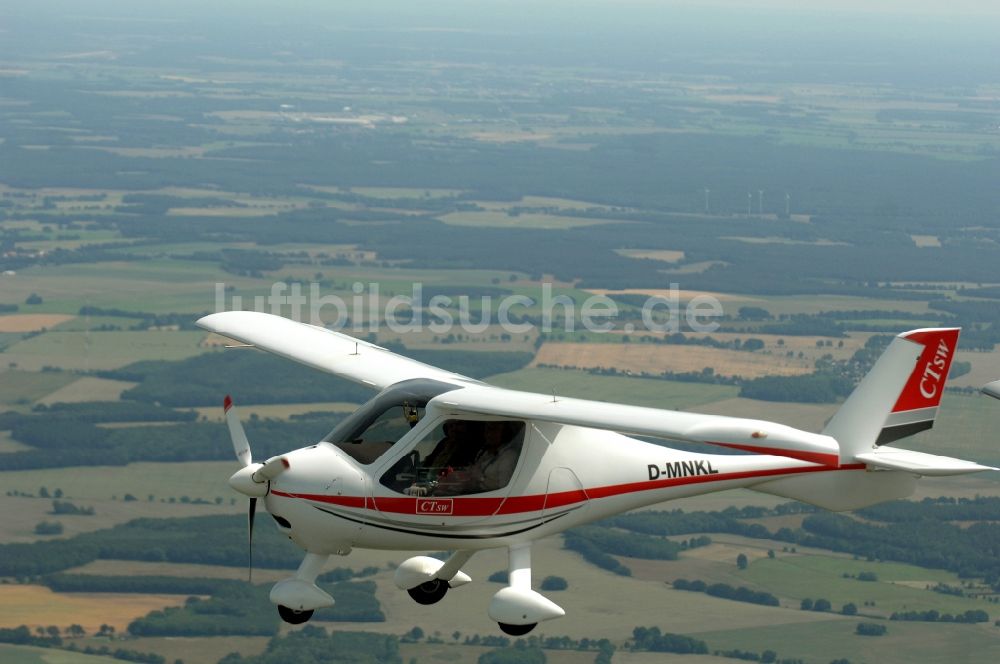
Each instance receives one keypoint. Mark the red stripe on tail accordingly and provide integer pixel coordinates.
(926, 384)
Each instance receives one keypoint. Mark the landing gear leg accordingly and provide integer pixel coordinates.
(428, 580)
(299, 596)
(517, 608)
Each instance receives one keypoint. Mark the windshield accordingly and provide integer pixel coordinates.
(370, 431)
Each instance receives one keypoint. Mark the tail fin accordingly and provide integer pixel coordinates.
(900, 395)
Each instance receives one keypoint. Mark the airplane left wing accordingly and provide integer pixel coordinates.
(750, 435)
(323, 349)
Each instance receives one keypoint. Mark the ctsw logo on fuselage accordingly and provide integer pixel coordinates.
(677, 469)
(439, 506)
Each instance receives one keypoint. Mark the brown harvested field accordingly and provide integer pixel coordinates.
(31, 322)
(926, 240)
(682, 295)
(985, 368)
(88, 389)
(655, 359)
(663, 255)
(37, 606)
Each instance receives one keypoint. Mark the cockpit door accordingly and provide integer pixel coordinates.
(564, 493)
(435, 484)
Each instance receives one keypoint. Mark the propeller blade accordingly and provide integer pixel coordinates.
(240, 443)
(250, 516)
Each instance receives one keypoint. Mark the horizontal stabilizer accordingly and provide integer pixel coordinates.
(919, 463)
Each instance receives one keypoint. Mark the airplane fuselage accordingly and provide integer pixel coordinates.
(566, 476)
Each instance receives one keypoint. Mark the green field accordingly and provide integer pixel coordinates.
(456, 151)
(524, 220)
(101, 350)
(965, 428)
(899, 587)
(24, 387)
(196, 479)
(820, 642)
(199, 650)
(158, 285)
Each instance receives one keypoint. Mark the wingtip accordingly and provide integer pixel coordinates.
(227, 403)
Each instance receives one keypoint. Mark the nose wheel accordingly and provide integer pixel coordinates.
(293, 617)
(429, 592)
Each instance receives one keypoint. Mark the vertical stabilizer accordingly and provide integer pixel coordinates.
(900, 395)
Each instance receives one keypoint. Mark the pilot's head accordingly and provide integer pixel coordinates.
(456, 428)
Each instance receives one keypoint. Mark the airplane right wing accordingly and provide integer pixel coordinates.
(757, 436)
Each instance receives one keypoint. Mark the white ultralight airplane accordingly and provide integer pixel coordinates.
(437, 460)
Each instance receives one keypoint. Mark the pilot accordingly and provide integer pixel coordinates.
(451, 453)
(453, 449)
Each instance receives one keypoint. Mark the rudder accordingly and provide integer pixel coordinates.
(900, 395)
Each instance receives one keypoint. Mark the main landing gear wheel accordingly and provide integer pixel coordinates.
(429, 592)
(293, 617)
(517, 630)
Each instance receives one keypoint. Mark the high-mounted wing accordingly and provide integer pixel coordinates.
(739, 433)
(323, 349)
(378, 368)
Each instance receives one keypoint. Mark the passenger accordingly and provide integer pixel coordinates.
(495, 463)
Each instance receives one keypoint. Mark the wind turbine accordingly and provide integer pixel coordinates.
(707, 190)
(788, 198)
(760, 202)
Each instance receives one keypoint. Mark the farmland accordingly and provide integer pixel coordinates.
(826, 188)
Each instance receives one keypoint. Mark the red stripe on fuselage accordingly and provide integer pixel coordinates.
(812, 457)
(473, 506)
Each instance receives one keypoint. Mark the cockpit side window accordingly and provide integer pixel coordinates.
(459, 457)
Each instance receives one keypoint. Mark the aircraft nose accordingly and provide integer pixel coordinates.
(243, 481)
